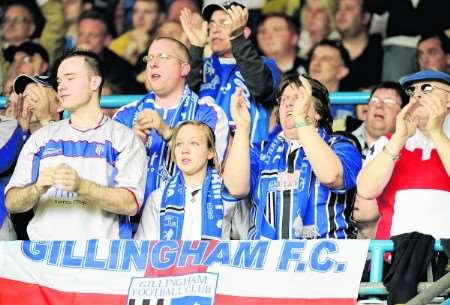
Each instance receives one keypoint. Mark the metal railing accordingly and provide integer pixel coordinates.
(116, 101)
(377, 249)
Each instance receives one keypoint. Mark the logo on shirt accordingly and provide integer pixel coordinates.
(99, 149)
(51, 151)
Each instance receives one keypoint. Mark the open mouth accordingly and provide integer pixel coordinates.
(155, 76)
(379, 116)
(185, 160)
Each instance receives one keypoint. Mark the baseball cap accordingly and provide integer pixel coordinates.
(23, 80)
(210, 8)
(434, 75)
(27, 47)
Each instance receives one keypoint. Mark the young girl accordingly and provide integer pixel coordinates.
(193, 203)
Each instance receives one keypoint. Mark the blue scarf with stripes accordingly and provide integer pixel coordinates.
(156, 147)
(173, 202)
(272, 190)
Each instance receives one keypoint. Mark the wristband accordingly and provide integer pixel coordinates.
(303, 123)
(394, 157)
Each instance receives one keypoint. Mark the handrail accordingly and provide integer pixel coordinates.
(116, 101)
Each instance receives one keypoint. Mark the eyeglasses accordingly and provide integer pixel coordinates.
(424, 88)
(16, 20)
(24, 60)
(386, 102)
(223, 23)
(160, 57)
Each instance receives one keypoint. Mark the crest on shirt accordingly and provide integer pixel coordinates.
(99, 149)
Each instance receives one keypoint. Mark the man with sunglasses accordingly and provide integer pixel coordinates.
(408, 171)
(170, 102)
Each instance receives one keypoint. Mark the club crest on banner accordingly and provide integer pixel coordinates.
(190, 289)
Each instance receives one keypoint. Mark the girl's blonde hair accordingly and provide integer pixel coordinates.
(210, 141)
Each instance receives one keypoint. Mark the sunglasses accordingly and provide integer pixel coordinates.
(424, 88)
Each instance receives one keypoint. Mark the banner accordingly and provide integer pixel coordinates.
(129, 272)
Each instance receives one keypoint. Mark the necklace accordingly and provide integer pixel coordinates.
(193, 193)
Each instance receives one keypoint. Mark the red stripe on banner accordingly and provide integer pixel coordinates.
(179, 270)
(19, 293)
(227, 299)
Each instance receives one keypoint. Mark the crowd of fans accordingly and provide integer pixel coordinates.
(234, 136)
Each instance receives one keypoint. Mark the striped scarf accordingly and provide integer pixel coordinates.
(156, 147)
(173, 202)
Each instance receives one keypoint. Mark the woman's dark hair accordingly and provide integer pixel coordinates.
(321, 100)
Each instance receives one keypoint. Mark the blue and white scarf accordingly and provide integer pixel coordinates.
(173, 203)
(273, 161)
(157, 148)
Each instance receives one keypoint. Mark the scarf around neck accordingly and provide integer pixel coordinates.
(274, 160)
(157, 149)
(173, 203)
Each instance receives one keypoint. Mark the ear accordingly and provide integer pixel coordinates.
(366, 18)
(210, 154)
(447, 59)
(161, 19)
(247, 32)
(95, 82)
(32, 29)
(343, 72)
(185, 69)
(294, 39)
(317, 118)
(44, 67)
(107, 40)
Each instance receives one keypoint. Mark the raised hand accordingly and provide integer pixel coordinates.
(238, 17)
(39, 99)
(437, 111)
(305, 99)
(405, 125)
(196, 29)
(66, 178)
(19, 111)
(239, 110)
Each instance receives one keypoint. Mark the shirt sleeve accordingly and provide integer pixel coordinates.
(375, 149)
(11, 141)
(125, 114)
(131, 164)
(350, 159)
(149, 226)
(28, 164)
(262, 75)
